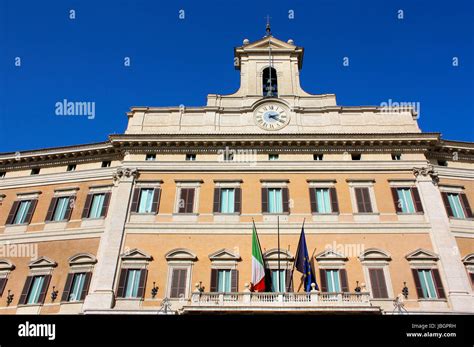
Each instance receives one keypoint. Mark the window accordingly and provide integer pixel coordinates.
(71, 167)
(407, 200)
(377, 283)
(190, 157)
(227, 200)
(318, 157)
(2, 174)
(150, 157)
(61, 208)
(442, 163)
(323, 200)
(224, 281)
(133, 279)
(77, 287)
(146, 200)
(178, 283)
(22, 212)
(457, 205)
(106, 163)
(428, 284)
(333, 280)
(35, 291)
(355, 156)
(273, 157)
(35, 171)
(396, 156)
(96, 205)
(132, 283)
(186, 200)
(362, 195)
(269, 82)
(3, 283)
(275, 200)
(228, 155)
(278, 280)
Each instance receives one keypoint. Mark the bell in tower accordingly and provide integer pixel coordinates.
(269, 82)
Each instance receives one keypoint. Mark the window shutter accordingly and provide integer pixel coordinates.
(142, 283)
(174, 283)
(359, 199)
(3, 283)
(343, 277)
(182, 281)
(322, 276)
(238, 200)
(268, 280)
(289, 282)
(419, 291)
(190, 201)
(335, 205)
(374, 283)
(217, 200)
(121, 284)
(417, 200)
(87, 282)
(183, 197)
(155, 207)
(214, 273)
(471, 275)
(378, 285)
(312, 200)
(25, 291)
(447, 206)
(438, 284)
(31, 210)
(465, 203)
(264, 200)
(67, 287)
(87, 206)
(367, 202)
(52, 206)
(286, 200)
(44, 289)
(135, 198)
(234, 281)
(105, 206)
(12, 214)
(396, 203)
(70, 206)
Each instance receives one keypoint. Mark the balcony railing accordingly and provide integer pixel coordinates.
(278, 301)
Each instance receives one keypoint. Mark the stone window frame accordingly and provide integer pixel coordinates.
(133, 259)
(232, 184)
(6, 268)
(407, 183)
(180, 184)
(422, 259)
(468, 262)
(375, 258)
(82, 262)
(180, 258)
(331, 260)
(41, 266)
(224, 259)
(143, 184)
(323, 184)
(270, 258)
(363, 183)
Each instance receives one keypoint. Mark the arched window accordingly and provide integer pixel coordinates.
(270, 83)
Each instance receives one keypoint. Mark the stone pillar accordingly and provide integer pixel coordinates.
(451, 268)
(101, 293)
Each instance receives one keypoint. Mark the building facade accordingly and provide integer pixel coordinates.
(159, 219)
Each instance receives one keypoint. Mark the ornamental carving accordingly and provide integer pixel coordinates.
(125, 173)
(426, 171)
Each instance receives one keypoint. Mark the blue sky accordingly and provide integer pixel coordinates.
(175, 61)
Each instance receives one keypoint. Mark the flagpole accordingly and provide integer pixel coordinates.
(278, 233)
(294, 262)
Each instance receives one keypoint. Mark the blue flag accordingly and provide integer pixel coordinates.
(303, 265)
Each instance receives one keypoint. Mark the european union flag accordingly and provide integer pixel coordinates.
(303, 264)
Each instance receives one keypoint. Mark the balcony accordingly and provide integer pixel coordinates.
(250, 302)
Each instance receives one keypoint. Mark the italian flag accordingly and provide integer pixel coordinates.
(258, 270)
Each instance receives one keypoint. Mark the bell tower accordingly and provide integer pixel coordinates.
(269, 67)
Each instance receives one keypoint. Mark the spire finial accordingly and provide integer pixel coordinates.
(268, 29)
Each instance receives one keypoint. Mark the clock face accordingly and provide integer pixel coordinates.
(271, 116)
